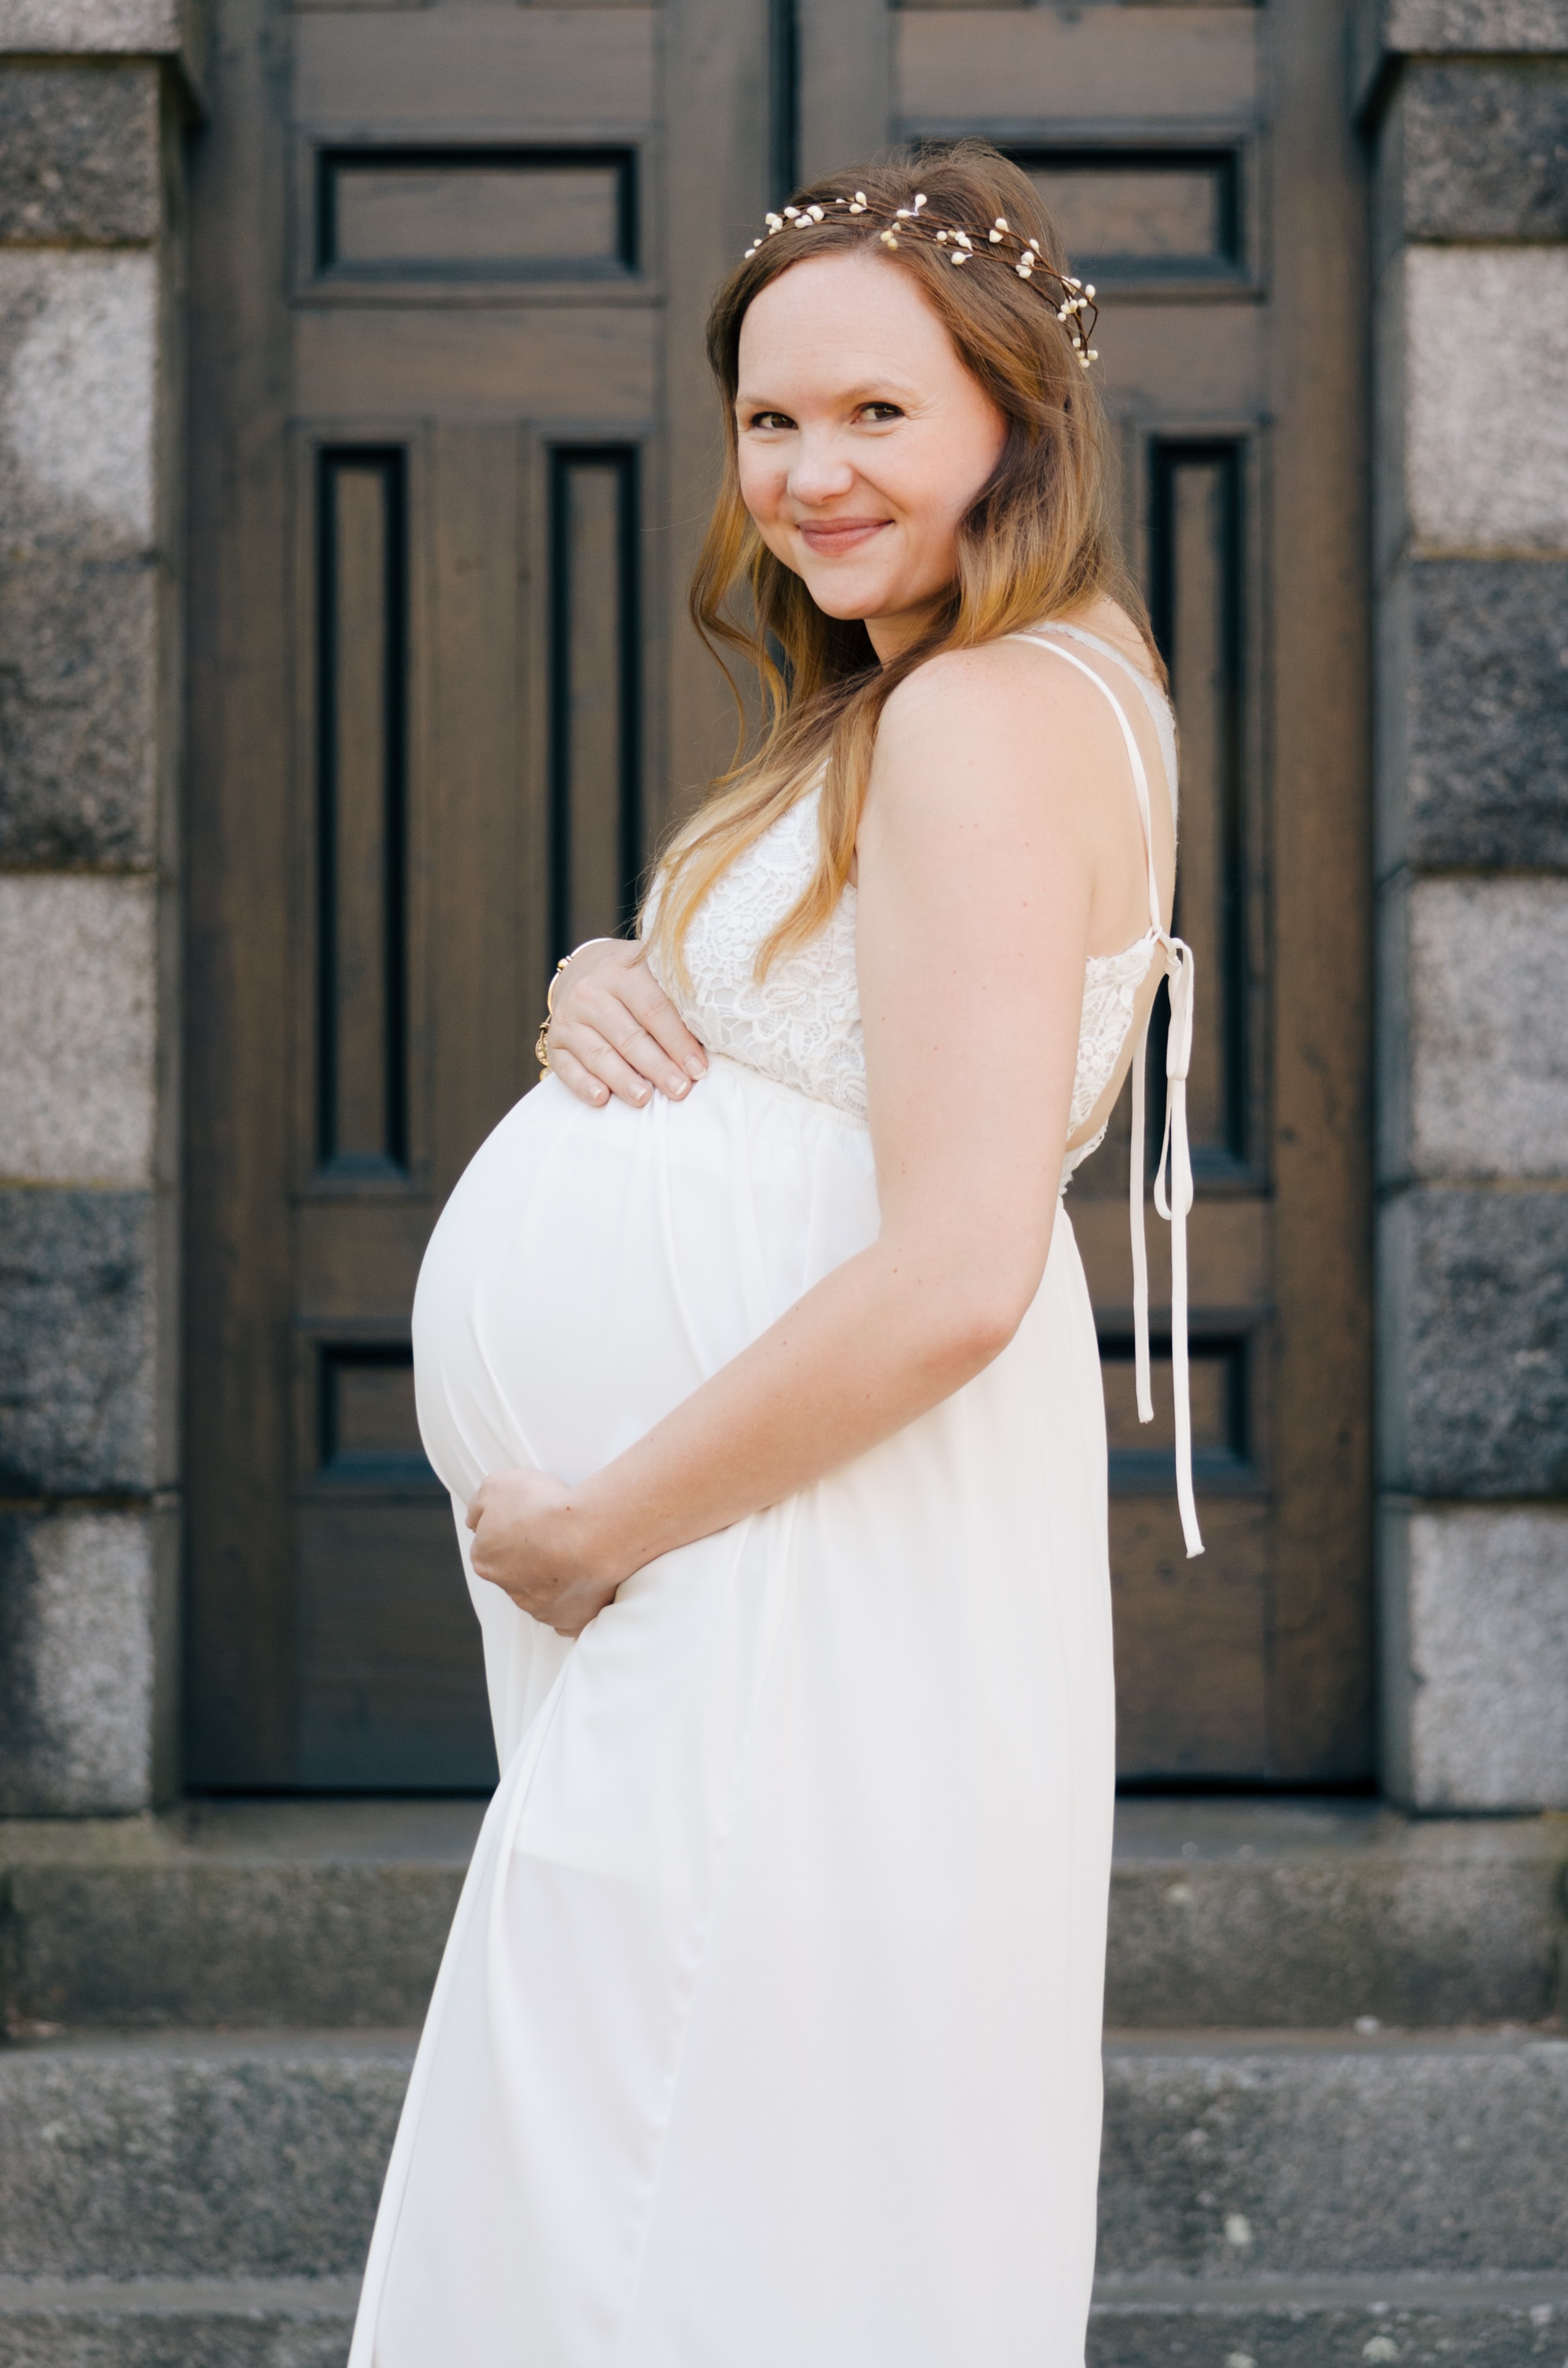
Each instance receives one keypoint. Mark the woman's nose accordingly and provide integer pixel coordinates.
(820, 474)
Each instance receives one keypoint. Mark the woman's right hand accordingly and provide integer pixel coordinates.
(614, 1030)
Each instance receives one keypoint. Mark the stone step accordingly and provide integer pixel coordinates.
(1251, 2323)
(1293, 2155)
(1269, 2158)
(176, 2323)
(1482, 2322)
(1249, 1914)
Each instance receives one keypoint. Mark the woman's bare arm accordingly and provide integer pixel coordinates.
(979, 860)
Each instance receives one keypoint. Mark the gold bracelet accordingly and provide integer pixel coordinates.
(541, 1042)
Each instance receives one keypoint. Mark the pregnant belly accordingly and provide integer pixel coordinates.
(593, 1267)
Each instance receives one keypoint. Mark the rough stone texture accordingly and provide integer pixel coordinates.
(1443, 2155)
(1476, 1602)
(1303, 2323)
(1486, 433)
(79, 155)
(154, 26)
(1278, 1915)
(76, 1627)
(1473, 1343)
(1473, 686)
(78, 353)
(77, 1335)
(197, 2157)
(156, 2323)
(78, 710)
(208, 2158)
(1483, 150)
(1488, 1073)
(1246, 1914)
(78, 1085)
(1414, 26)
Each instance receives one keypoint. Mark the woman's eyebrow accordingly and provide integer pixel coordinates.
(871, 390)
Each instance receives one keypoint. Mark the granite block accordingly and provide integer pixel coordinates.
(1487, 1089)
(78, 398)
(1485, 433)
(92, 27)
(1473, 1342)
(78, 710)
(1484, 2321)
(79, 160)
(1483, 149)
(1475, 1612)
(77, 1594)
(1475, 666)
(1418, 26)
(185, 2323)
(78, 1412)
(78, 980)
(196, 2157)
(1443, 2153)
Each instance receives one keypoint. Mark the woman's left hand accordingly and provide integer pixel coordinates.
(528, 1541)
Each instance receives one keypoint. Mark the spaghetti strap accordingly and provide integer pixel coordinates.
(1173, 1178)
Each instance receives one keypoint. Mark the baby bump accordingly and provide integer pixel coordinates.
(593, 1267)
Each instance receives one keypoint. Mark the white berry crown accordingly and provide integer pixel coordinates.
(1073, 301)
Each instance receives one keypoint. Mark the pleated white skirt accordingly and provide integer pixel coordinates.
(767, 2033)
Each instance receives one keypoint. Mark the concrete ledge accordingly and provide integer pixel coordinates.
(1269, 2157)
(1488, 2322)
(1385, 33)
(1274, 2156)
(1235, 1914)
(1300, 1914)
(172, 30)
(176, 2323)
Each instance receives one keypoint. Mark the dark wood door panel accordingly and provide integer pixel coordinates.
(1191, 1642)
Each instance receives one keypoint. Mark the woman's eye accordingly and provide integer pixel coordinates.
(770, 419)
(880, 413)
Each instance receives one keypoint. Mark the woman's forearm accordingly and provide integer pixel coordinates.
(877, 1343)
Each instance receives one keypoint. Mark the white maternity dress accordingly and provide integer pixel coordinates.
(767, 2033)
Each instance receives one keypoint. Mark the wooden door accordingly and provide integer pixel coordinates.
(452, 443)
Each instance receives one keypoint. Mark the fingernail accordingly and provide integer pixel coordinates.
(695, 1067)
(677, 1086)
(638, 1093)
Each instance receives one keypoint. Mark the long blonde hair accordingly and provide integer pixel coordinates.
(1035, 542)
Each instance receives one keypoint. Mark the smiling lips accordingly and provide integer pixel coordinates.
(837, 538)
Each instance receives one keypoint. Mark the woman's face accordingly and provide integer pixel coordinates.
(863, 441)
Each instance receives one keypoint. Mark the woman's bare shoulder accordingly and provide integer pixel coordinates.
(994, 690)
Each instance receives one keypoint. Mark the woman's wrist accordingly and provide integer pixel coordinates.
(598, 1538)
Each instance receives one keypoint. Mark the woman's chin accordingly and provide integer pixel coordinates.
(846, 598)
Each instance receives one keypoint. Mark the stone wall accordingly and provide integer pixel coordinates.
(92, 97)
(1467, 101)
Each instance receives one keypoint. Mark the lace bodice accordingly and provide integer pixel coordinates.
(801, 1025)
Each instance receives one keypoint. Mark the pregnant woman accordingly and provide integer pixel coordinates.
(767, 2034)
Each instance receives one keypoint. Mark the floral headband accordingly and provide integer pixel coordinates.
(1074, 304)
